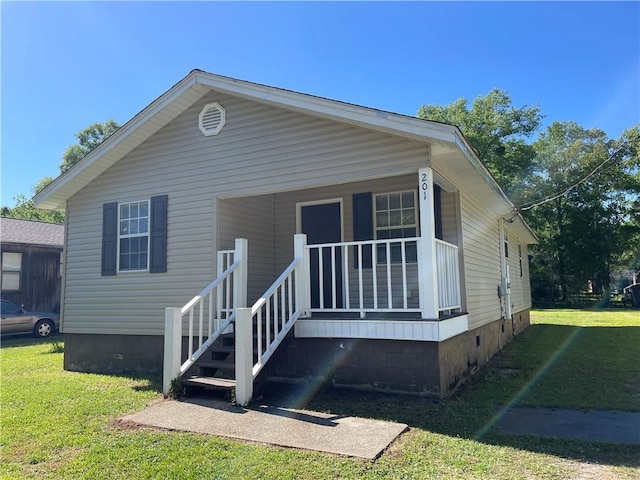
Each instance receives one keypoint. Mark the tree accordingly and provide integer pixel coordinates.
(88, 139)
(586, 183)
(25, 210)
(497, 131)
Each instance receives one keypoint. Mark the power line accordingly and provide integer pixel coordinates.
(530, 205)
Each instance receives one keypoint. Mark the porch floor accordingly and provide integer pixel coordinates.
(351, 436)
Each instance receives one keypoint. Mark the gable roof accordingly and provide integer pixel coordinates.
(31, 232)
(444, 139)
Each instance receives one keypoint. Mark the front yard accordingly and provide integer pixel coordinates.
(58, 424)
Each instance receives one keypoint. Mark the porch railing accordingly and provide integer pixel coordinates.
(206, 316)
(448, 274)
(378, 276)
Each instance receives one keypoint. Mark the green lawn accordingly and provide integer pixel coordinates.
(58, 424)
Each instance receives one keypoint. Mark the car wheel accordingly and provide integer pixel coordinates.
(43, 328)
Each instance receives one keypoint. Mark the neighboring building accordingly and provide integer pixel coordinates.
(31, 253)
(414, 271)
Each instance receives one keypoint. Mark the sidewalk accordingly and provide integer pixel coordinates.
(350, 436)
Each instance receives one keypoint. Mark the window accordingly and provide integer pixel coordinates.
(133, 236)
(395, 217)
(11, 271)
(520, 257)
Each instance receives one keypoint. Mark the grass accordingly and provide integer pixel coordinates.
(58, 424)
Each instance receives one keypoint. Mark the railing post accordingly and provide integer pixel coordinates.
(240, 275)
(427, 273)
(172, 347)
(244, 356)
(303, 280)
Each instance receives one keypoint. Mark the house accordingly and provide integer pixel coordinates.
(290, 237)
(31, 273)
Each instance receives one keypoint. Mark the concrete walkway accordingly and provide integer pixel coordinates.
(351, 436)
(603, 426)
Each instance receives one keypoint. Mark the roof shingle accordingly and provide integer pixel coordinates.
(31, 232)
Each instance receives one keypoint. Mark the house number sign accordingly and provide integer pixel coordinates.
(425, 181)
(424, 185)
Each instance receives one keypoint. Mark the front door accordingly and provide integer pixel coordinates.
(322, 223)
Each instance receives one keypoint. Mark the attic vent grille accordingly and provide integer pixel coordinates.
(211, 119)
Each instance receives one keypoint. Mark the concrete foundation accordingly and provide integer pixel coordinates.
(122, 354)
(424, 368)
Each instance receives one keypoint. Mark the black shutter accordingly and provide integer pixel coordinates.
(363, 225)
(437, 210)
(158, 234)
(109, 238)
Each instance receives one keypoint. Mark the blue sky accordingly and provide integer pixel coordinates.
(66, 65)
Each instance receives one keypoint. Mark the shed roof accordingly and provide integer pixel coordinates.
(31, 232)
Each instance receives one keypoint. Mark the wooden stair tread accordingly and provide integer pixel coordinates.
(209, 382)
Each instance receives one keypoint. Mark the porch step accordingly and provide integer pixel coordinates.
(209, 382)
(218, 364)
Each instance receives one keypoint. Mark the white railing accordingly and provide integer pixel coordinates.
(206, 316)
(274, 315)
(365, 276)
(448, 274)
(270, 318)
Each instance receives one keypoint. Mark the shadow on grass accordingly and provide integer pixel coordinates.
(543, 367)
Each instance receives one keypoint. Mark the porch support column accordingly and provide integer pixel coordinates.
(172, 348)
(303, 281)
(240, 275)
(427, 273)
(244, 356)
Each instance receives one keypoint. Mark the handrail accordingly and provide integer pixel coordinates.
(220, 323)
(273, 317)
(270, 291)
(209, 288)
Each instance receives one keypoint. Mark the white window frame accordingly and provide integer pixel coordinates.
(11, 270)
(136, 235)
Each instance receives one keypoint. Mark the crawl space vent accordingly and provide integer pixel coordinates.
(211, 119)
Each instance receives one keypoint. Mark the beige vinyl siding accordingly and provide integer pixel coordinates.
(520, 285)
(251, 218)
(481, 239)
(261, 150)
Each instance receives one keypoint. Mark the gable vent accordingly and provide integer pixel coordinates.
(211, 119)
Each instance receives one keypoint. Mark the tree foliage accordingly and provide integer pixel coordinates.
(497, 130)
(88, 139)
(25, 210)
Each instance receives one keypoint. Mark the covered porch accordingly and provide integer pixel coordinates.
(373, 266)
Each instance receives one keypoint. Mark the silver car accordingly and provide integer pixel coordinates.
(16, 320)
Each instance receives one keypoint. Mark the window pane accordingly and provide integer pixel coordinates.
(395, 218)
(124, 245)
(124, 211)
(124, 227)
(143, 261)
(382, 219)
(409, 217)
(407, 199)
(143, 225)
(381, 202)
(394, 201)
(10, 281)
(144, 209)
(133, 226)
(133, 210)
(11, 261)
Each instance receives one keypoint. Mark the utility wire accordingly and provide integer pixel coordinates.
(530, 205)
